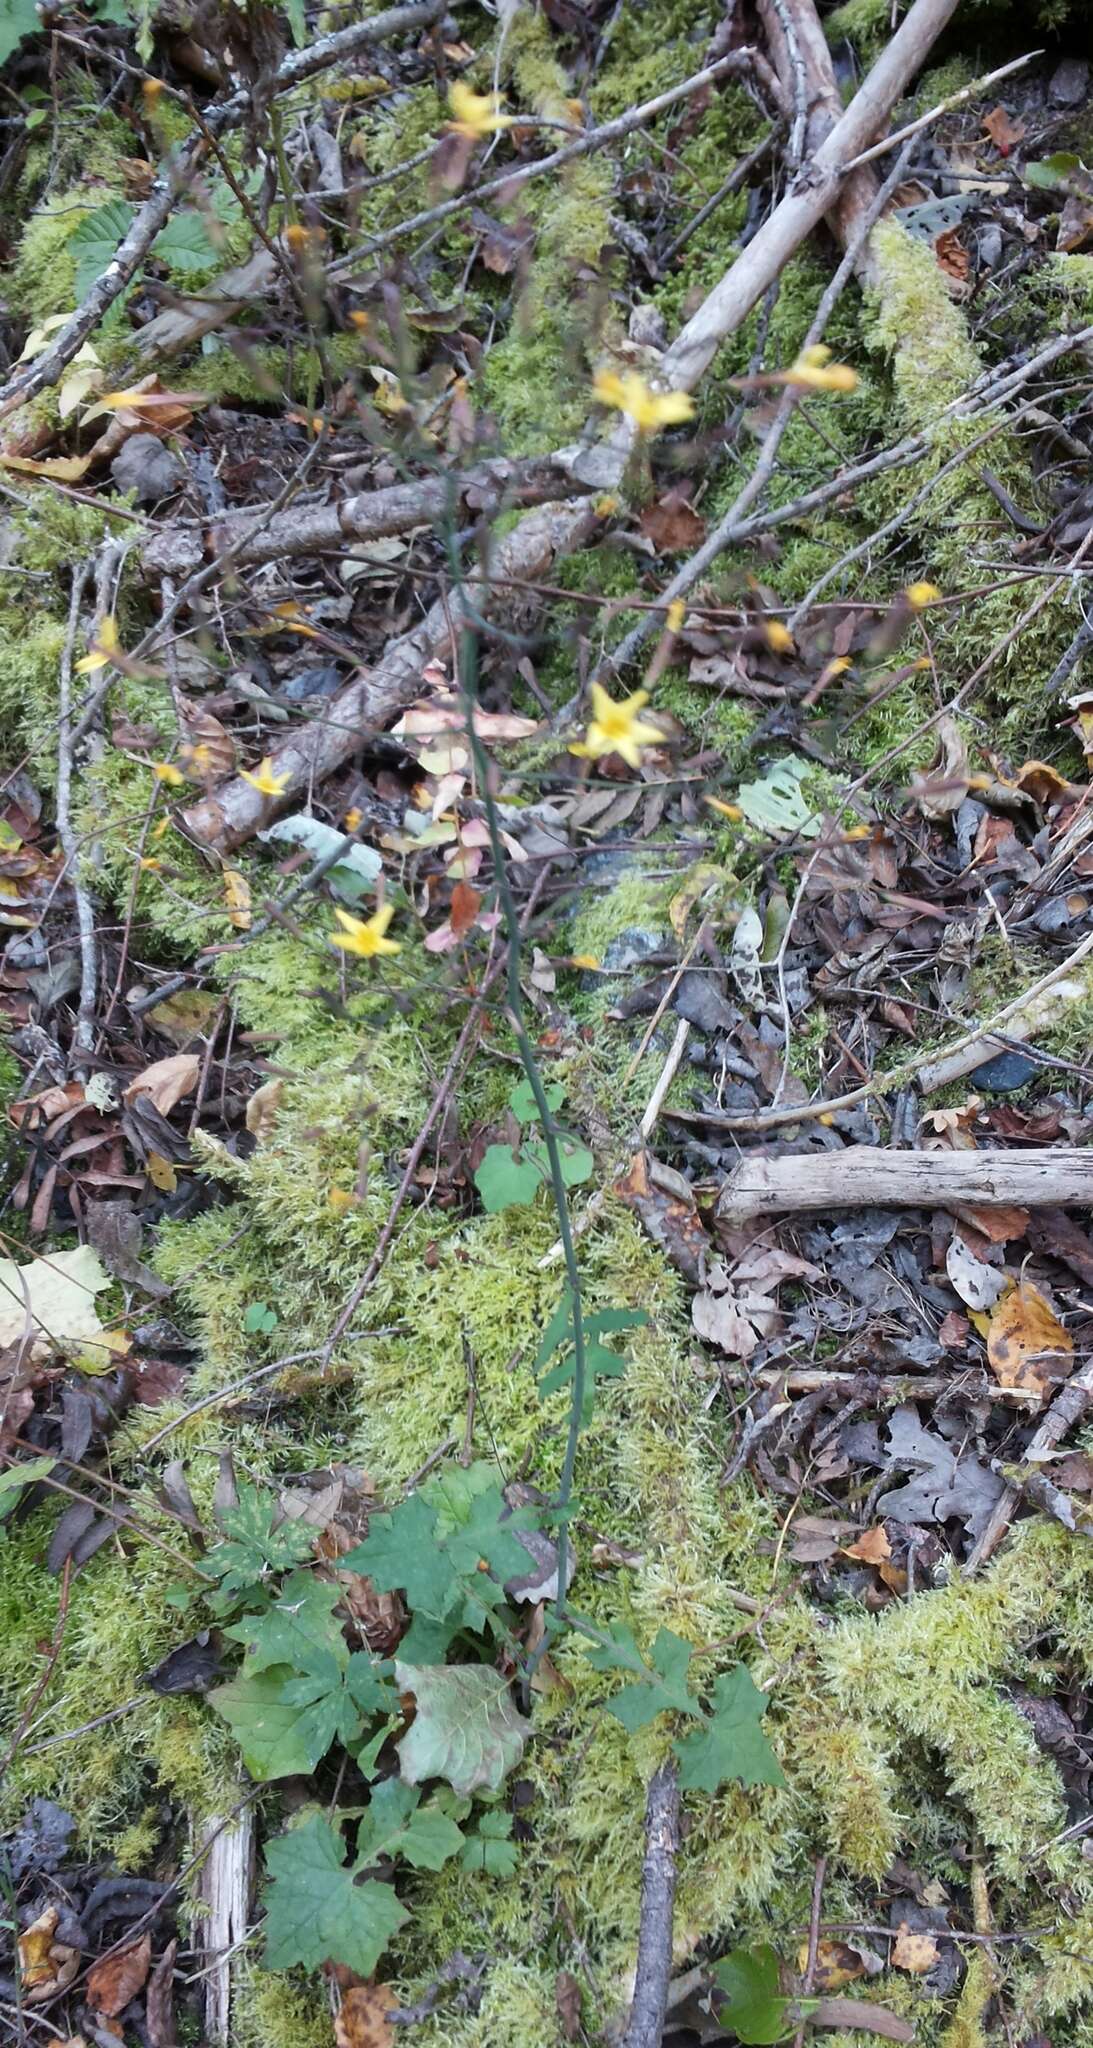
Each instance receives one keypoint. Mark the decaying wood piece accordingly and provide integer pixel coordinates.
(253, 537)
(1022, 1026)
(227, 1882)
(658, 1891)
(189, 319)
(868, 1176)
(1069, 1407)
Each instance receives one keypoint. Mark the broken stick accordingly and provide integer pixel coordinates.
(868, 1176)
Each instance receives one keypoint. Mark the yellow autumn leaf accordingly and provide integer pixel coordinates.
(161, 1173)
(237, 897)
(103, 648)
(1027, 1345)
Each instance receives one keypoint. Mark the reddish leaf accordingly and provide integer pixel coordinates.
(112, 1983)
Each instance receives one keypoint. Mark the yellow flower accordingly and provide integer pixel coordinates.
(650, 410)
(778, 637)
(103, 648)
(198, 756)
(587, 960)
(676, 613)
(815, 371)
(477, 114)
(264, 780)
(617, 728)
(353, 818)
(919, 595)
(165, 771)
(365, 935)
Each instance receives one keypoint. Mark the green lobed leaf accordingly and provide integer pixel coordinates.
(524, 1106)
(18, 19)
(731, 1744)
(466, 1729)
(315, 1911)
(257, 1544)
(401, 1554)
(754, 2006)
(396, 1824)
(282, 1723)
(488, 1848)
(636, 1705)
(299, 1629)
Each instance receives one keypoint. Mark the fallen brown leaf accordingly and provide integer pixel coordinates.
(118, 1977)
(673, 524)
(46, 1965)
(237, 898)
(362, 2021)
(872, 1546)
(1027, 1345)
(261, 1114)
(166, 1081)
(1003, 130)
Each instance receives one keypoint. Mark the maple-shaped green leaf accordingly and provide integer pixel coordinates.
(281, 1736)
(754, 2006)
(601, 1363)
(315, 1911)
(489, 1848)
(481, 1537)
(395, 1824)
(466, 1729)
(731, 1743)
(401, 1554)
(299, 1629)
(257, 1543)
(667, 1692)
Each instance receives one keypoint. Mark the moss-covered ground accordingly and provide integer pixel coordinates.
(896, 1731)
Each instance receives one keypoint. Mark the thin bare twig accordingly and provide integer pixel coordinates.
(84, 1035)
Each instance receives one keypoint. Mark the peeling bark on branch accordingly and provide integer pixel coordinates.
(867, 1176)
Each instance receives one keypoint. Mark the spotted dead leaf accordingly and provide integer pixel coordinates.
(915, 1953)
(872, 1546)
(113, 1982)
(161, 1173)
(166, 1081)
(838, 1963)
(262, 1109)
(363, 2019)
(207, 752)
(237, 898)
(1027, 1345)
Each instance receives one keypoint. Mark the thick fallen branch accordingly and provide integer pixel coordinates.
(254, 537)
(176, 180)
(658, 1891)
(867, 1176)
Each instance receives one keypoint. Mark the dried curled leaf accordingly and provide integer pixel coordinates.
(1027, 1345)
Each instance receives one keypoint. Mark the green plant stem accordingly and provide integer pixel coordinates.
(468, 679)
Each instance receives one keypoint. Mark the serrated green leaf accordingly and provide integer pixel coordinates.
(489, 1849)
(667, 1692)
(298, 1630)
(506, 1180)
(731, 1744)
(466, 1729)
(395, 1824)
(754, 2006)
(93, 243)
(256, 1543)
(401, 1554)
(315, 1912)
(280, 1737)
(184, 244)
(482, 1537)
(524, 1106)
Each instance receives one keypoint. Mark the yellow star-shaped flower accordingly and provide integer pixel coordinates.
(477, 114)
(617, 728)
(814, 371)
(650, 410)
(165, 771)
(103, 649)
(265, 780)
(365, 936)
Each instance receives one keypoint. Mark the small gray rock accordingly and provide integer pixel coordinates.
(629, 948)
(1007, 1072)
(143, 465)
(1069, 82)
